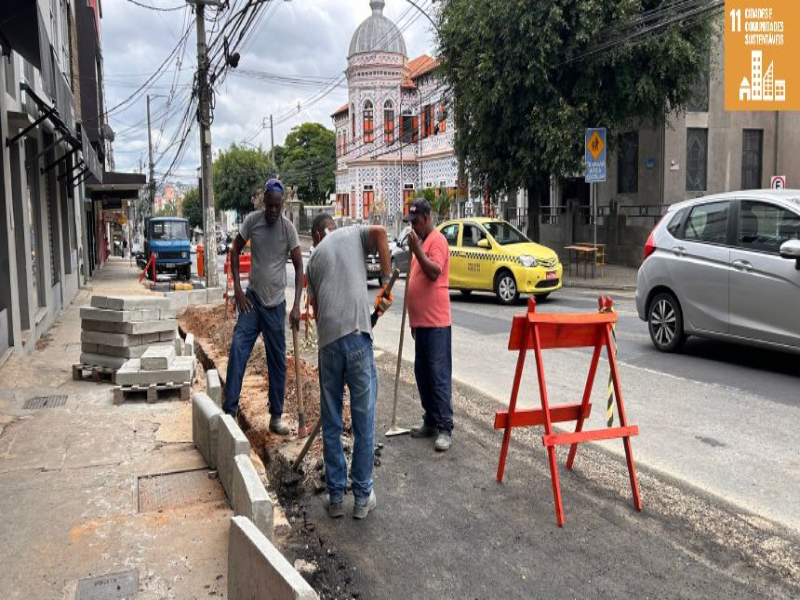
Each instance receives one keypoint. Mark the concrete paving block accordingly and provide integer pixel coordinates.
(178, 345)
(149, 326)
(99, 302)
(137, 302)
(166, 336)
(157, 358)
(215, 295)
(113, 316)
(257, 569)
(150, 314)
(119, 339)
(205, 427)
(231, 443)
(89, 347)
(124, 351)
(103, 326)
(250, 498)
(197, 297)
(167, 313)
(113, 362)
(188, 348)
(179, 299)
(214, 386)
(178, 373)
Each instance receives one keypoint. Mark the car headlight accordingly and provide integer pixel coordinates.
(528, 261)
(184, 255)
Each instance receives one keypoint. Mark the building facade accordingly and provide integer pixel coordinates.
(394, 136)
(48, 238)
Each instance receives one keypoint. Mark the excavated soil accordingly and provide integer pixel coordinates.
(213, 330)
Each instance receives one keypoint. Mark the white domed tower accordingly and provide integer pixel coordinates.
(367, 127)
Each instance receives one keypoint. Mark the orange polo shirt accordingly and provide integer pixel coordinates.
(429, 301)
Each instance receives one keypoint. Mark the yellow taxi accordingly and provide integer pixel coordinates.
(492, 255)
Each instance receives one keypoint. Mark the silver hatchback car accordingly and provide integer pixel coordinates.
(725, 266)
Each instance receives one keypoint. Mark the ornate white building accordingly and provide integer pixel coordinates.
(397, 120)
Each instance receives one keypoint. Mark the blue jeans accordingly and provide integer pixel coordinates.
(271, 322)
(433, 368)
(348, 360)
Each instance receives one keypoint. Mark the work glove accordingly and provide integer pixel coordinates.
(382, 303)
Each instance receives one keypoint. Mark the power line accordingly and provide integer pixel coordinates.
(157, 8)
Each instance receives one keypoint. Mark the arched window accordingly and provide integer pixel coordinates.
(388, 122)
(369, 123)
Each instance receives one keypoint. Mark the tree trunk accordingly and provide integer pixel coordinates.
(534, 204)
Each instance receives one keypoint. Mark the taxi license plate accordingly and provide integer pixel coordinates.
(551, 275)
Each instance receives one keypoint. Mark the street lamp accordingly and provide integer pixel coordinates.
(427, 16)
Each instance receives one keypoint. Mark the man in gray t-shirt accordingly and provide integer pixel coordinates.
(337, 288)
(262, 309)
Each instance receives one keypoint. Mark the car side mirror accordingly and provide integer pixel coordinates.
(791, 250)
(484, 243)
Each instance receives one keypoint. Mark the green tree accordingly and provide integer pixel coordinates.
(309, 162)
(192, 208)
(170, 209)
(529, 77)
(238, 174)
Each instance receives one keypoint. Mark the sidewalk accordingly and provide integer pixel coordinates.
(612, 278)
(73, 504)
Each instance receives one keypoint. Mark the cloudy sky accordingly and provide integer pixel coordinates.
(301, 39)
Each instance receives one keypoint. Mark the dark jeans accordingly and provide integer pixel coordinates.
(433, 367)
(271, 322)
(348, 361)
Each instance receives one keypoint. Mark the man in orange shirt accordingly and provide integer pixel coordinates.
(429, 316)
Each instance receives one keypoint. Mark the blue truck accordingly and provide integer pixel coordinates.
(168, 239)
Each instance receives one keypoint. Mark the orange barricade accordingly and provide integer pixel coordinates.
(151, 265)
(541, 331)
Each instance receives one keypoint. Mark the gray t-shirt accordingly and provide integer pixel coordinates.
(337, 280)
(269, 247)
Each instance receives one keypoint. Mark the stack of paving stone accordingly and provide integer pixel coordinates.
(160, 369)
(117, 328)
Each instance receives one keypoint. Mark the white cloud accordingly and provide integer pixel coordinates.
(302, 37)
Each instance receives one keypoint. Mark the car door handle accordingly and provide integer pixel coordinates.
(679, 251)
(742, 265)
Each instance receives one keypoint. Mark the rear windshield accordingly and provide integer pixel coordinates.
(169, 230)
(505, 233)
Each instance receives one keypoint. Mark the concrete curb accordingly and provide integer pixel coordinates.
(230, 443)
(182, 299)
(214, 386)
(256, 569)
(206, 416)
(250, 497)
(600, 287)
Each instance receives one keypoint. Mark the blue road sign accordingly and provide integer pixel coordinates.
(595, 149)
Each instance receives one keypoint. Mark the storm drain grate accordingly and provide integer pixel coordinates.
(157, 492)
(113, 586)
(44, 402)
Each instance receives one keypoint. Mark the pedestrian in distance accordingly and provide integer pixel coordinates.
(262, 308)
(337, 282)
(430, 321)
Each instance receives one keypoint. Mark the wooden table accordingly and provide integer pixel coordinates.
(578, 254)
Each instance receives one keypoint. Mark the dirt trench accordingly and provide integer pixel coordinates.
(315, 556)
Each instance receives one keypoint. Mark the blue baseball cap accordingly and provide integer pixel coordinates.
(273, 185)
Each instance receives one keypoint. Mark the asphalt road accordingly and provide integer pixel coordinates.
(444, 528)
(720, 417)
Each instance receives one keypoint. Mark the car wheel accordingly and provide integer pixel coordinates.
(505, 288)
(665, 323)
(465, 292)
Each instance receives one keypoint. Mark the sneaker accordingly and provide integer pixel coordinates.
(278, 427)
(360, 511)
(423, 431)
(335, 510)
(443, 441)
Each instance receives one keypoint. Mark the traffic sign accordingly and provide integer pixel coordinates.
(778, 182)
(595, 154)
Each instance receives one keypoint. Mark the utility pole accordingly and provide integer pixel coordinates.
(206, 163)
(152, 185)
(272, 145)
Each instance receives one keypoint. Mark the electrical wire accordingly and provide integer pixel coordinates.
(157, 8)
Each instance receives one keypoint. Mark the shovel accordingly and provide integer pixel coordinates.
(393, 428)
(302, 430)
